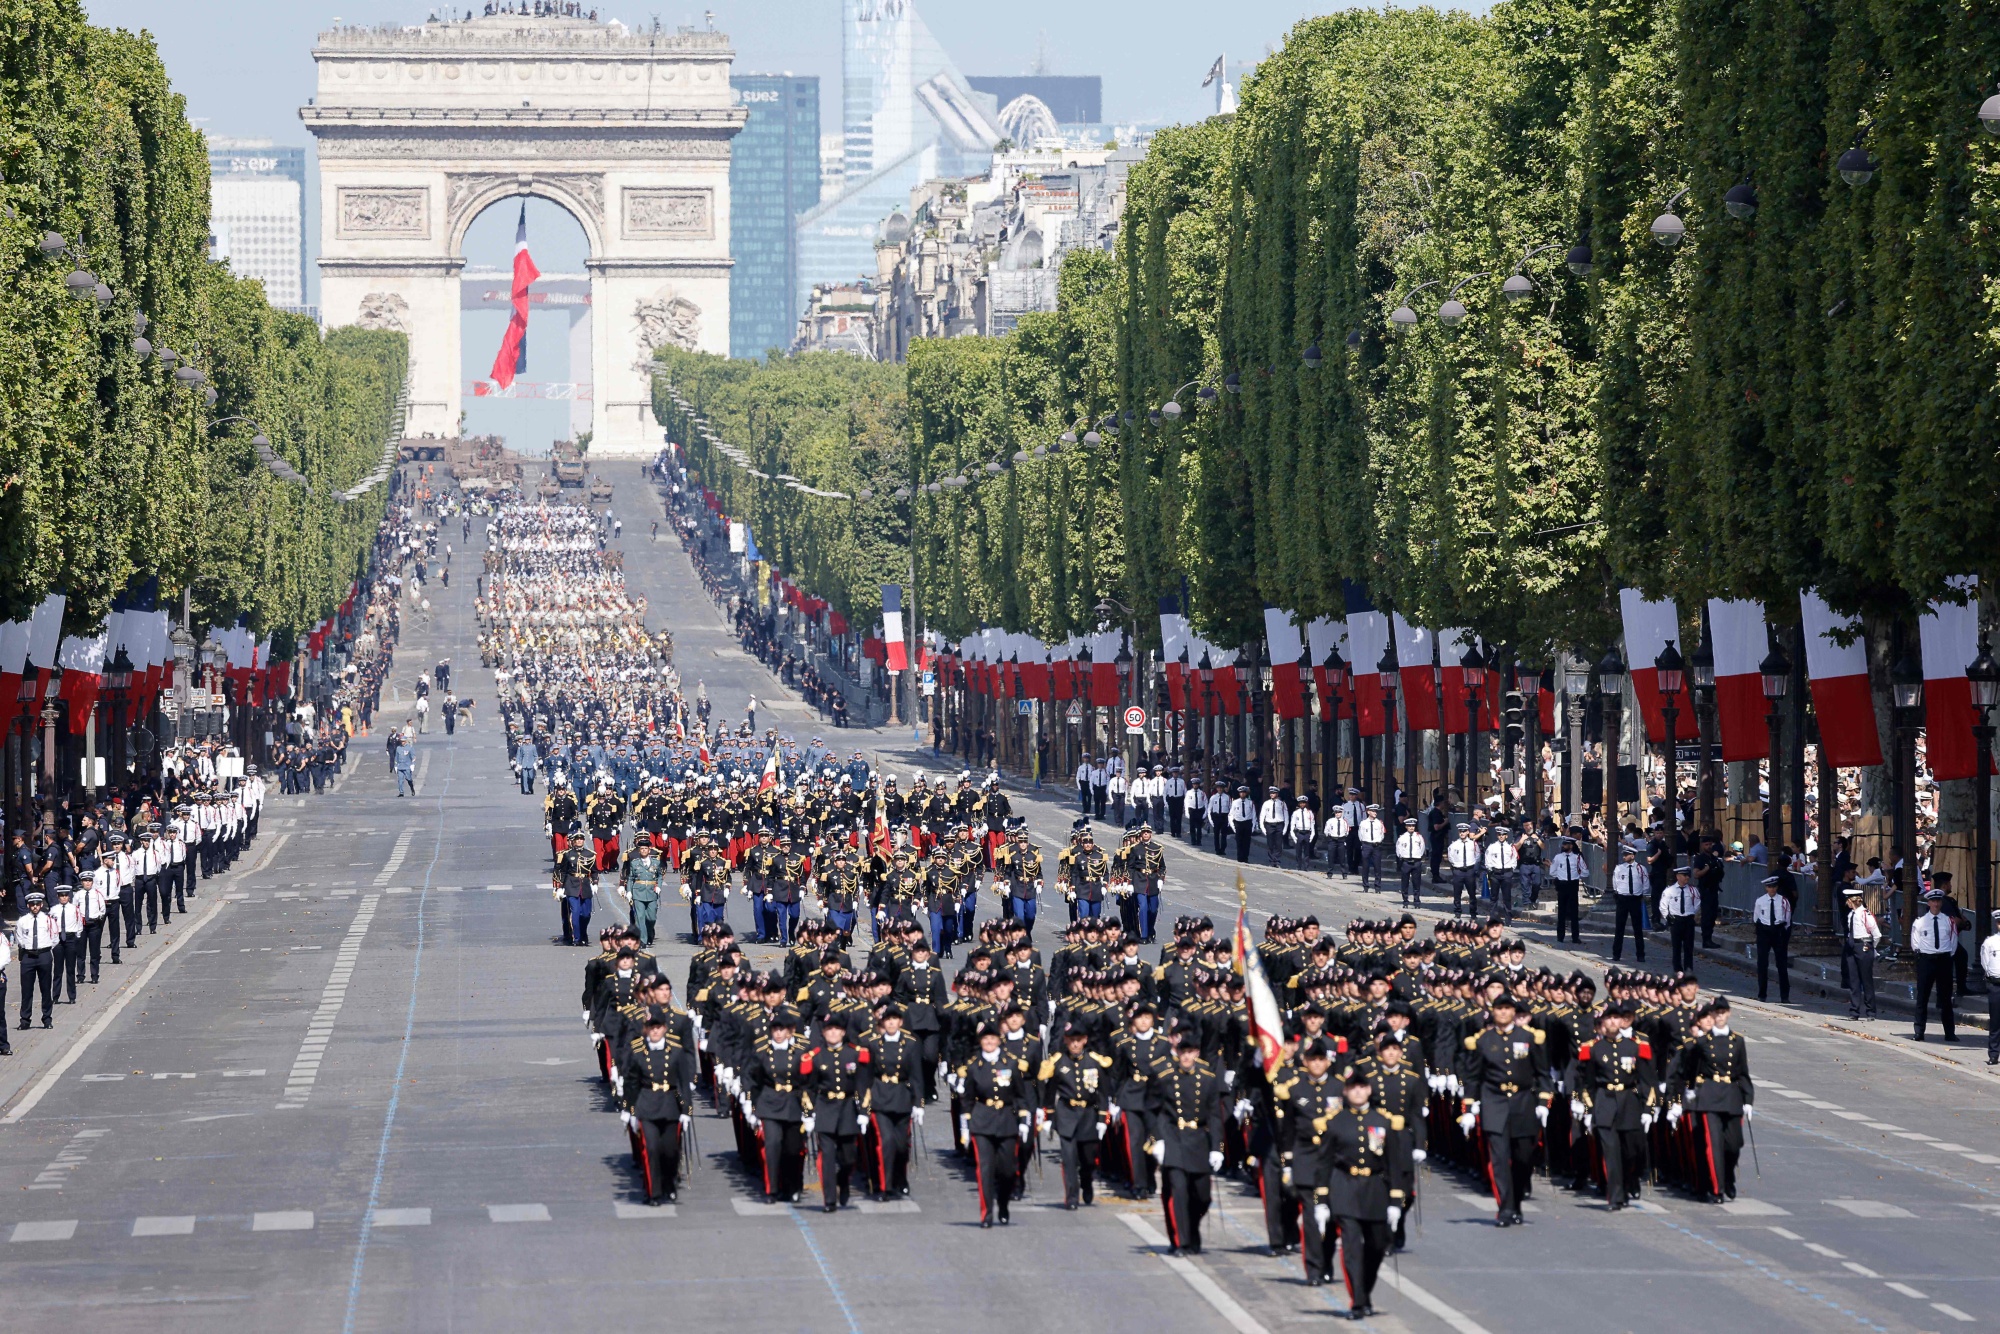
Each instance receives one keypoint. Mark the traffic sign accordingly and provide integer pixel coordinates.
(1074, 713)
(1024, 707)
(1135, 719)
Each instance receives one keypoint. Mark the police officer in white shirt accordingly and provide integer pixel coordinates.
(35, 938)
(1218, 816)
(1464, 857)
(1304, 828)
(1773, 919)
(109, 886)
(186, 835)
(6, 958)
(91, 902)
(1372, 836)
(1859, 939)
(1630, 886)
(1194, 805)
(1567, 872)
(1100, 780)
(1339, 835)
(1174, 790)
(1353, 812)
(1114, 791)
(68, 919)
(1681, 906)
(1503, 863)
(1411, 850)
(1933, 943)
(1242, 821)
(1275, 819)
(1083, 784)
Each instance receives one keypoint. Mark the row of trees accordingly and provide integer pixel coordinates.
(1800, 396)
(112, 466)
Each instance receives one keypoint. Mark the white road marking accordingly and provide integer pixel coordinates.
(1754, 1209)
(1945, 1308)
(282, 1220)
(626, 1209)
(1860, 1269)
(396, 855)
(165, 1225)
(305, 1067)
(755, 1209)
(888, 1207)
(1908, 1291)
(1828, 1251)
(1225, 1305)
(47, 1230)
(400, 1218)
(1871, 1208)
(518, 1213)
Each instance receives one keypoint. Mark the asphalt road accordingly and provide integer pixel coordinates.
(358, 1097)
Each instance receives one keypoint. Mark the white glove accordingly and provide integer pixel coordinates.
(1024, 1132)
(1229, 1079)
(965, 1127)
(1749, 1113)
(1215, 1160)
(1674, 1114)
(1589, 1120)
(1542, 1113)
(1576, 1108)
(1418, 1155)
(806, 1126)
(1112, 1109)
(1285, 1176)
(586, 1013)
(1688, 1097)
(1395, 1216)
(1243, 1109)
(1322, 1215)
(1159, 1151)
(917, 1115)
(687, 1122)
(1467, 1120)
(626, 1117)
(1645, 1120)
(752, 1120)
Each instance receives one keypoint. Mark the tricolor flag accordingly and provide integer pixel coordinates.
(1950, 638)
(770, 778)
(1413, 659)
(897, 652)
(513, 358)
(1648, 628)
(1367, 637)
(1285, 646)
(1266, 1021)
(1842, 699)
(1741, 643)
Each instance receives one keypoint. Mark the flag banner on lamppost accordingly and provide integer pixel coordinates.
(1841, 696)
(1741, 642)
(1648, 627)
(1413, 660)
(1950, 636)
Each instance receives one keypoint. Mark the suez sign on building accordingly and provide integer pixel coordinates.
(756, 94)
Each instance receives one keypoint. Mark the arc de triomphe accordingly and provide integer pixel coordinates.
(420, 128)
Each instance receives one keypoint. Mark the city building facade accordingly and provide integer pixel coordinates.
(256, 213)
(774, 176)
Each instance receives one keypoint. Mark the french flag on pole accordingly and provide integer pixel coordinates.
(1367, 637)
(1286, 646)
(1648, 627)
(1741, 642)
(1839, 674)
(1950, 635)
(892, 629)
(513, 358)
(1413, 659)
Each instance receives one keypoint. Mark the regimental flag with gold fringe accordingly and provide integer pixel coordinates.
(1266, 1020)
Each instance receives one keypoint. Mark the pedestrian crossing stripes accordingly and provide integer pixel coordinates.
(319, 1029)
(396, 855)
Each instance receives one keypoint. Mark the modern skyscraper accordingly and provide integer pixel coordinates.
(774, 176)
(907, 116)
(256, 211)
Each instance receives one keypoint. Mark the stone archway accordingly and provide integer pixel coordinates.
(421, 128)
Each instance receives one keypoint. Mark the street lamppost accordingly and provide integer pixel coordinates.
(1207, 670)
(1701, 671)
(1245, 675)
(1329, 723)
(1473, 665)
(1611, 688)
(1529, 680)
(1984, 674)
(1776, 671)
(1089, 694)
(1906, 693)
(1187, 698)
(1387, 673)
(1123, 662)
(1671, 672)
(117, 685)
(1309, 692)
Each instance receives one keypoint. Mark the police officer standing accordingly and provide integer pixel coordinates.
(1410, 856)
(35, 942)
(1859, 939)
(1681, 906)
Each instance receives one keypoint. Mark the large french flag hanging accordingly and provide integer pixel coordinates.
(1842, 700)
(1324, 634)
(1413, 661)
(1367, 637)
(1741, 642)
(1648, 627)
(892, 629)
(1950, 635)
(1174, 639)
(513, 358)
(1452, 645)
(1286, 646)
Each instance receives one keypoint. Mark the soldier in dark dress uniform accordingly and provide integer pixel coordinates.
(1504, 1070)
(1187, 1142)
(1713, 1082)
(1369, 1173)
(836, 1079)
(1613, 1080)
(774, 1092)
(1074, 1084)
(659, 1076)
(997, 1094)
(895, 1061)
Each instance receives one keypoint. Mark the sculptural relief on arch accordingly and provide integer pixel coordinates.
(420, 128)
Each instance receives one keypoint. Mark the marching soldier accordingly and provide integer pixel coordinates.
(1305, 1094)
(895, 1064)
(1140, 1056)
(836, 1087)
(659, 1077)
(997, 1094)
(1087, 873)
(1401, 1093)
(1614, 1085)
(1074, 1082)
(575, 881)
(1505, 1073)
(774, 1086)
(1146, 865)
(1368, 1186)
(639, 882)
(1187, 1142)
(1019, 867)
(1713, 1082)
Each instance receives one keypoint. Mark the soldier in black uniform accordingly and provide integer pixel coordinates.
(659, 1076)
(1713, 1082)
(835, 1090)
(1140, 1055)
(1504, 1070)
(895, 1062)
(1187, 1142)
(1074, 1083)
(920, 990)
(1401, 1093)
(997, 1094)
(575, 880)
(774, 1090)
(1369, 1172)
(1614, 1082)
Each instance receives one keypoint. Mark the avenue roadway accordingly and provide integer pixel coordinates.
(357, 1096)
